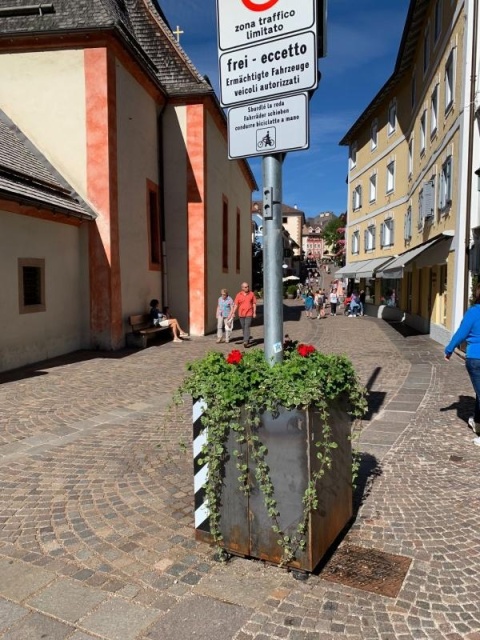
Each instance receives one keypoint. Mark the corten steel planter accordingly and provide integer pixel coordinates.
(292, 458)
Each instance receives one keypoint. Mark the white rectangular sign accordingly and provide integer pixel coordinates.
(275, 68)
(273, 126)
(244, 22)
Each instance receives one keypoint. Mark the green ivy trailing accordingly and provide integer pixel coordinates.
(237, 390)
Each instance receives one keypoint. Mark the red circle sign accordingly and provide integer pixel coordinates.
(261, 5)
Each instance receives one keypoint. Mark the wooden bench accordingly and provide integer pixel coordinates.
(142, 330)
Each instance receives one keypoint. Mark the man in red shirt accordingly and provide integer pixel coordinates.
(246, 305)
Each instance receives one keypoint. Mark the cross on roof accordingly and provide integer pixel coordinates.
(177, 33)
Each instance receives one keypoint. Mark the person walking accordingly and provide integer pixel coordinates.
(245, 304)
(469, 332)
(223, 313)
(309, 303)
(333, 302)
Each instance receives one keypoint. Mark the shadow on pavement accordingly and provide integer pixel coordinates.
(375, 399)
(465, 407)
(403, 329)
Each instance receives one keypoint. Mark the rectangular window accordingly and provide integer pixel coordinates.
(237, 248)
(387, 233)
(225, 235)
(423, 131)
(370, 238)
(153, 215)
(392, 118)
(356, 242)
(408, 225)
(410, 158)
(445, 188)
(438, 19)
(357, 197)
(434, 112)
(373, 187)
(391, 176)
(449, 81)
(374, 135)
(31, 285)
(353, 155)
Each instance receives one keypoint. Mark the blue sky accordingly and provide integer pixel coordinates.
(363, 41)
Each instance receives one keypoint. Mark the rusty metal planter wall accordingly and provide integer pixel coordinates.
(292, 458)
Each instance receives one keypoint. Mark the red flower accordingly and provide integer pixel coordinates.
(305, 350)
(234, 357)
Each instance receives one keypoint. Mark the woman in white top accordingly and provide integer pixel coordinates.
(333, 302)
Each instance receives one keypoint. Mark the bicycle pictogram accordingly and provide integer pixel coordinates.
(266, 140)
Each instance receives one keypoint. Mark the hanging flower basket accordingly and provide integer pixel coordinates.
(273, 461)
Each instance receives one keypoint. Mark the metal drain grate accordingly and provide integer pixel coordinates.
(367, 569)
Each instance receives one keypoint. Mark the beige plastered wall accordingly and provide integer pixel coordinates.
(44, 94)
(63, 326)
(174, 121)
(137, 158)
(225, 179)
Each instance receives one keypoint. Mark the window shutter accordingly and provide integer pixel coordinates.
(373, 237)
(359, 196)
(354, 193)
(392, 231)
(428, 199)
(382, 234)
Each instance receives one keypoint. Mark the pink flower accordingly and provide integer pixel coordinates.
(234, 357)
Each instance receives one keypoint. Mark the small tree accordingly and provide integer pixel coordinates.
(334, 236)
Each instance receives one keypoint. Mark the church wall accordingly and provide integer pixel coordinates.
(225, 183)
(137, 158)
(46, 100)
(63, 326)
(175, 202)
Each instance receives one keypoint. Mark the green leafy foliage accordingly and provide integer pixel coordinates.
(237, 394)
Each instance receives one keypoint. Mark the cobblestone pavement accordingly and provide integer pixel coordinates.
(96, 513)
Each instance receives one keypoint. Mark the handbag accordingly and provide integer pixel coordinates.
(228, 324)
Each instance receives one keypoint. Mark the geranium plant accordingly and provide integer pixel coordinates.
(237, 389)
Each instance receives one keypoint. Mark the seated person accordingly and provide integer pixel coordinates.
(160, 319)
(355, 305)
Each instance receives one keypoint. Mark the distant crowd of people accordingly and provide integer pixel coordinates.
(316, 302)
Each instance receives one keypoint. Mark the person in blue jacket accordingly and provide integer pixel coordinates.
(469, 332)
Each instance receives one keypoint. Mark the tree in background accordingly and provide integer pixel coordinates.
(334, 236)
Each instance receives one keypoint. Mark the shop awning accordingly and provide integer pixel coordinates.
(428, 254)
(368, 269)
(349, 270)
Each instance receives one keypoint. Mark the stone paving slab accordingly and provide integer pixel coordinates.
(96, 493)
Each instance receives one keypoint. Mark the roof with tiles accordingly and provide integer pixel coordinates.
(140, 23)
(25, 174)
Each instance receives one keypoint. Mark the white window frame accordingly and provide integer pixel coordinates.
(374, 135)
(450, 81)
(423, 132)
(391, 177)
(353, 155)
(445, 185)
(434, 112)
(357, 198)
(355, 243)
(387, 234)
(370, 233)
(392, 118)
(373, 187)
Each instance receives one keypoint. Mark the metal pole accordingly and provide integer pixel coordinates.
(273, 257)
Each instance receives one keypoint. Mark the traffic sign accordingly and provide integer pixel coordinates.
(274, 68)
(273, 126)
(244, 22)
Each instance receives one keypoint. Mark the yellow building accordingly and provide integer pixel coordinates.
(407, 175)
